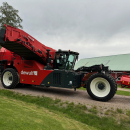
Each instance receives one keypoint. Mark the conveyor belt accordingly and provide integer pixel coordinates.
(23, 44)
(22, 51)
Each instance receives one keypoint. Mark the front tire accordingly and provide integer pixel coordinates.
(9, 78)
(101, 87)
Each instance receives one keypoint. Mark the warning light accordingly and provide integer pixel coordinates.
(48, 82)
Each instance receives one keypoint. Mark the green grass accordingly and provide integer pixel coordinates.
(17, 115)
(118, 86)
(125, 93)
(119, 110)
(82, 88)
(35, 109)
(94, 111)
(128, 113)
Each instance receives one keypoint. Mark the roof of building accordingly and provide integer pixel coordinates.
(115, 62)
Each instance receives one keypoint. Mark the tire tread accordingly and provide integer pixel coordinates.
(112, 84)
(15, 78)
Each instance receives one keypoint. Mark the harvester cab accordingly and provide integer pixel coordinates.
(65, 60)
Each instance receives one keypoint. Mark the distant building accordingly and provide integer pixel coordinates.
(117, 63)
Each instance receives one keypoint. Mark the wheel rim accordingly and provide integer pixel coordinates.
(7, 78)
(100, 87)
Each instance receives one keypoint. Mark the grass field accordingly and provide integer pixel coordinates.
(23, 112)
(17, 115)
(125, 93)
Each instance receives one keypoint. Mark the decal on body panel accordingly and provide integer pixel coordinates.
(29, 72)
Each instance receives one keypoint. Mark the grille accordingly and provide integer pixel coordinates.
(57, 78)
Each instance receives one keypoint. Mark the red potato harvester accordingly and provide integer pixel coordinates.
(24, 60)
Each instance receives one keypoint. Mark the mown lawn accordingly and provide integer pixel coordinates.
(25, 112)
(18, 115)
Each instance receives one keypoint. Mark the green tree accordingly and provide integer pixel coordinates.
(9, 16)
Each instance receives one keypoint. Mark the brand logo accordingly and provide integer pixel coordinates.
(29, 72)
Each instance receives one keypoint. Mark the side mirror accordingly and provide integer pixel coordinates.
(77, 57)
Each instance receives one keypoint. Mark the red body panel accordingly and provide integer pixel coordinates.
(8, 55)
(18, 36)
(125, 81)
(30, 71)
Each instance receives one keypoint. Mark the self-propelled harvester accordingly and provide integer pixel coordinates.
(24, 60)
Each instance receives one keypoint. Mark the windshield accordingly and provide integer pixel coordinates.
(65, 61)
(70, 62)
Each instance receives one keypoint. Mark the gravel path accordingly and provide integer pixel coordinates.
(78, 96)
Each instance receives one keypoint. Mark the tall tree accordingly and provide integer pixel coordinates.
(9, 16)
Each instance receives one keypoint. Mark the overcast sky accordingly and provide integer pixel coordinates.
(91, 27)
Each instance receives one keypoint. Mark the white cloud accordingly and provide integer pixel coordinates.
(92, 28)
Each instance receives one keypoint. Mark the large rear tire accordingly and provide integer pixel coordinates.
(9, 78)
(101, 87)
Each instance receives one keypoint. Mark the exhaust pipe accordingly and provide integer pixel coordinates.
(2, 36)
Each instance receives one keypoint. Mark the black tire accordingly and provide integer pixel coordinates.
(101, 87)
(9, 78)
